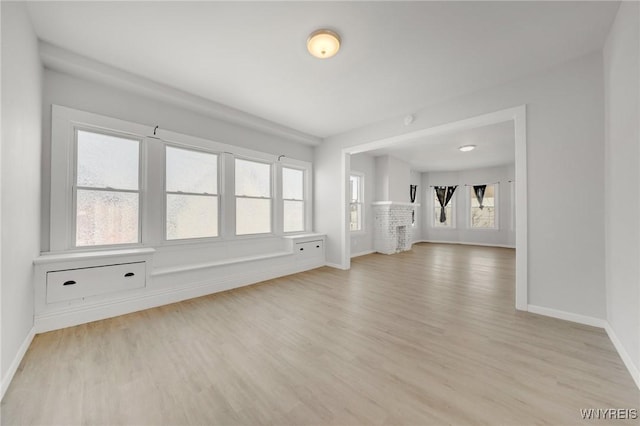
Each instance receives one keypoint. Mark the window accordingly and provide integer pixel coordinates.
(483, 216)
(253, 197)
(449, 212)
(113, 187)
(293, 199)
(106, 189)
(355, 208)
(191, 187)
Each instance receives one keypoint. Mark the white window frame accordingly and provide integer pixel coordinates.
(76, 187)
(360, 177)
(307, 168)
(304, 197)
(64, 125)
(435, 204)
(152, 187)
(496, 195)
(272, 181)
(164, 186)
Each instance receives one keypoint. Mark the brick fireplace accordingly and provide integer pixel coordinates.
(393, 229)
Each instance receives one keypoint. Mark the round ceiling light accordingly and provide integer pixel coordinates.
(323, 43)
(467, 148)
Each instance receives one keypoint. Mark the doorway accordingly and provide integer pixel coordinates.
(518, 116)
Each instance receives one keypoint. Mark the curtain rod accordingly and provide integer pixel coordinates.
(490, 183)
(466, 184)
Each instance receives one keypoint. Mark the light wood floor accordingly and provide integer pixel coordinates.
(423, 337)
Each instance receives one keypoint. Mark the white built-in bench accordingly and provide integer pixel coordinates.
(78, 287)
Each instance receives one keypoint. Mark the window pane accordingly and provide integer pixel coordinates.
(293, 216)
(107, 161)
(292, 184)
(253, 216)
(485, 217)
(447, 210)
(253, 179)
(106, 217)
(355, 188)
(191, 216)
(191, 171)
(487, 200)
(355, 214)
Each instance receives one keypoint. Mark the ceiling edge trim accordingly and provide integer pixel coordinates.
(59, 59)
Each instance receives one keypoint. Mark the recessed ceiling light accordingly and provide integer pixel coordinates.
(323, 43)
(467, 148)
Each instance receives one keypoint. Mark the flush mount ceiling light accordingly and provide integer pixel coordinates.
(467, 148)
(323, 43)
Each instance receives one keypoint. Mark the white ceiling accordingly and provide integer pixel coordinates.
(495, 146)
(396, 57)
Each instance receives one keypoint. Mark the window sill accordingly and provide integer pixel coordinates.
(59, 257)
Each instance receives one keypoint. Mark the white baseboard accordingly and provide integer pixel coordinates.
(628, 362)
(466, 243)
(153, 298)
(336, 265)
(567, 316)
(595, 322)
(362, 253)
(13, 368)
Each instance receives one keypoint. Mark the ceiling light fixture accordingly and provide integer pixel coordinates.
(323, 43)
(467, 148)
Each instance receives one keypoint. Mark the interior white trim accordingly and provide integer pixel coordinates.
(516, 114)
(213, 264)
(626, 358)
(59, 59)
(81, 314)
(345, 229)
(567, 316)
(466, 243)
(13, 368)
(363, 253)
(63, 124)
(336, 266)
(594, 322)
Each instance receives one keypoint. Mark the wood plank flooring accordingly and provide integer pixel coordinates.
(422, 337)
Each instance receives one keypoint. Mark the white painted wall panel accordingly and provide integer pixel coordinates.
(622, 179)
(362, 242)
(418, 226)
(565, 138)
(21, 142)
(65, 90)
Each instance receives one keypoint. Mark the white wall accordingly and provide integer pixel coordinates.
(622, 180)
(66, 90)
(565, 133)
(21, 142)
(362, 242)
(179, 270)
(382, 178)
(416, 179)
(462, 233)
(393, 177)
(399, 180)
